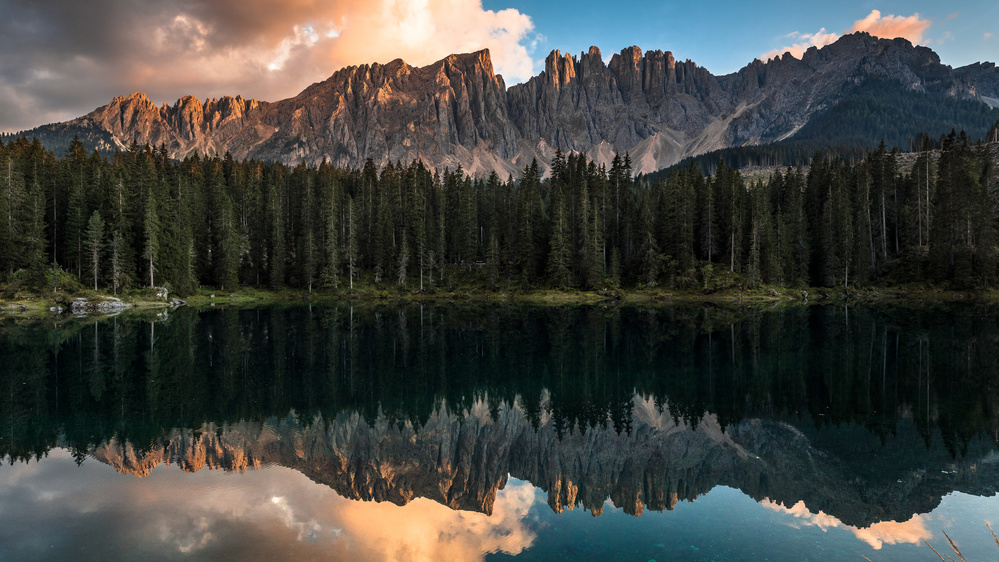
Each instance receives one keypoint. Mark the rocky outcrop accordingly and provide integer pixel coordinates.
(102, 305)
(458, 112)
(461, 459)
(189, 125)
(983, 77)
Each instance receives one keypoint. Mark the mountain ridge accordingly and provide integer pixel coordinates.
(458, 112)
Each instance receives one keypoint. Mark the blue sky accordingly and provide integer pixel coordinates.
(724, 36)
(64, 58)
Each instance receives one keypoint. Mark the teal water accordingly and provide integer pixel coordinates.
(459, 432)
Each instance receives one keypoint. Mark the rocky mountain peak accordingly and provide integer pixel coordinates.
(457, 111)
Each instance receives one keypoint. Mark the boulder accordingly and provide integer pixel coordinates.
(101, 305)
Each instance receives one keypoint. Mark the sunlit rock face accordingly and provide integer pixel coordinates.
(458, 112)
(461, 459)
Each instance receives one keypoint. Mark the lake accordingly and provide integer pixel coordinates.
(474, 432)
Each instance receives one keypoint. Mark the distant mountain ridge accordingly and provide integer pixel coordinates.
(457, 111)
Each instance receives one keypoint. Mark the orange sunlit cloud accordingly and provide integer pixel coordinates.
(426, 530)
(889, 27)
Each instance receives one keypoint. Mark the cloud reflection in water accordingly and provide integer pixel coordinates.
(273, 512)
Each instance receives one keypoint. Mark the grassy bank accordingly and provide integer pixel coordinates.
(27, 304)
(54, 294)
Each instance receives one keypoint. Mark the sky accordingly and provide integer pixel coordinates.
(61, 59)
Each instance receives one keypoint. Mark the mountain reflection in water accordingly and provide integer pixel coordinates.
(853, 419)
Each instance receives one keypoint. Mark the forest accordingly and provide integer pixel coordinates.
(140, 219)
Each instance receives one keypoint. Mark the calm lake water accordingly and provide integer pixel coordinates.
(466, 433)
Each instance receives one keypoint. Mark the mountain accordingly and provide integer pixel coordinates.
(457, 111)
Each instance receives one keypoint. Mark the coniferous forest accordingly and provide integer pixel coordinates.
(141, 219)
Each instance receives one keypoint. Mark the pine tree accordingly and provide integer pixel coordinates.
(74, 166)
(595, 258)
(559, 257)
(34, 238)
(351, 242)
(403, 264)
(95, 245)
(383, 245)
(307, 243)
(493, 259)
(331, 273)
(276, 255)
(117, 260)
(649, 257)
(151, 242)
(229, 246)
(12, 196)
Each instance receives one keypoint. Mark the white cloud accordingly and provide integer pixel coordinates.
(820, 39)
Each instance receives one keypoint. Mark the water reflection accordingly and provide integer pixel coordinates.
(269, 514)
(852, 420)
(913, 531)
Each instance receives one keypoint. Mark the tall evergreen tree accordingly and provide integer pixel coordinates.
(559, 274)
(95, 245)
(151, 236)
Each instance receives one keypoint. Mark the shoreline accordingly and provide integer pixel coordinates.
(41, 306)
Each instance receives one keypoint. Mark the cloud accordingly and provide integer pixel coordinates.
(820, 39)
(887, 27)
(260, 514)
(988, 35)
(877, 535)
(64, 58)
(425, 530)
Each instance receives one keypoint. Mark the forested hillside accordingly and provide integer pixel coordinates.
(875, 111)
(142, 219)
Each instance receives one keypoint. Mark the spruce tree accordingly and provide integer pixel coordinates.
(12, 197)
(331, 271)
(95, 245)
(559, 275)
(403, 263)
(151, 234)
(352, 247)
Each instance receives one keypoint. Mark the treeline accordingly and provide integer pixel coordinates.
(788, 153)
(142, 219)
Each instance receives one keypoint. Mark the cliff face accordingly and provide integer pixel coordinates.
(461, 459)
(450, 113)
(189, 125)
(458, 112)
